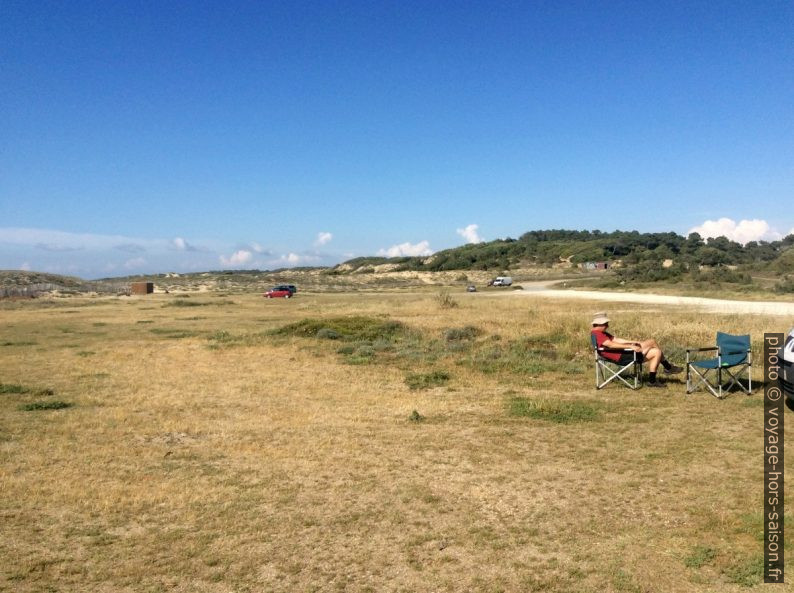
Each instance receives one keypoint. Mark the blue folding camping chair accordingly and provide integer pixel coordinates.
(723, 372)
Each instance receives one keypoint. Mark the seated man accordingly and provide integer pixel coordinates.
(648, 350)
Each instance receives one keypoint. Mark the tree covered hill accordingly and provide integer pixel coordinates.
(633, 249)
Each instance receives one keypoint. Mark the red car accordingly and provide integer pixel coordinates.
(278, 292)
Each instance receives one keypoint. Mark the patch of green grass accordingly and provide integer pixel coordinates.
(145, 321)
(700, 556)
(527, 356)
(225, 339)
(356, 328)
(45, 405)
(85, 353)
(561, 412)
(427, 380)
(184, 303)
(23, 343)
(747, 572)
(12, 388)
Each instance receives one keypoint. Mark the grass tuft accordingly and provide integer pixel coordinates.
(445, 300)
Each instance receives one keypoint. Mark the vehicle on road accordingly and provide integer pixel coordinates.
(502, 281)
(278, 292)
(471, 288)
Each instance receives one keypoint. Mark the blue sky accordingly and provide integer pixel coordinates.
(142, 137)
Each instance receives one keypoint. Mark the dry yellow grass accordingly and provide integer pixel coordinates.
(269, 463)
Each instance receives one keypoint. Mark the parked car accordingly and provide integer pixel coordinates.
(278, 292)
(471, 288)
(290, 287)
(503, 281)
(787, 370)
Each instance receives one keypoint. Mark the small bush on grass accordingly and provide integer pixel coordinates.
(456, 334)
(445, 300)
(416, 417)
(427, 380)
(48, 405)
(327, 333)
(560, 412)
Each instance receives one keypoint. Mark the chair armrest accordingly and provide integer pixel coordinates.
(602, 349)
(702, 349)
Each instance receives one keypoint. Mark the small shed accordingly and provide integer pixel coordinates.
(142, 287)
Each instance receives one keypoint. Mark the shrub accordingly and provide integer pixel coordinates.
(416, 417)
(327, 333)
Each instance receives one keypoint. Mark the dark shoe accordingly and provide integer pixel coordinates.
(654, 384)
(673, 370)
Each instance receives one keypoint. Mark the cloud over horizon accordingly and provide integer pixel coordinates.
(742, 232)
(407, 250)
(470, 233)
(238, 258)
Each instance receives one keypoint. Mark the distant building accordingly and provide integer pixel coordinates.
(142, 287)
(595, 265)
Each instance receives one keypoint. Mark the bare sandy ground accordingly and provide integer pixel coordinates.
(542, 290)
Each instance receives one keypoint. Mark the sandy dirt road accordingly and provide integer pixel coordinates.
(542, 290)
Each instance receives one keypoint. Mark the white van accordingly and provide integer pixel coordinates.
(503, 281)
(787, 370)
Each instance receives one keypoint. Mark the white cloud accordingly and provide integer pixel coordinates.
(25, 267)
(323, 238)
(742, 232)
(470, 233)
(295, 259)
(407, 249)
(237, 258)
(180, 244)
(257, 248)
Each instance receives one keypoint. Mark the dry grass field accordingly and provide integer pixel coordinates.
(382, 441)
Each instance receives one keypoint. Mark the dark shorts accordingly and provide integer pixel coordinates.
(628, 357)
